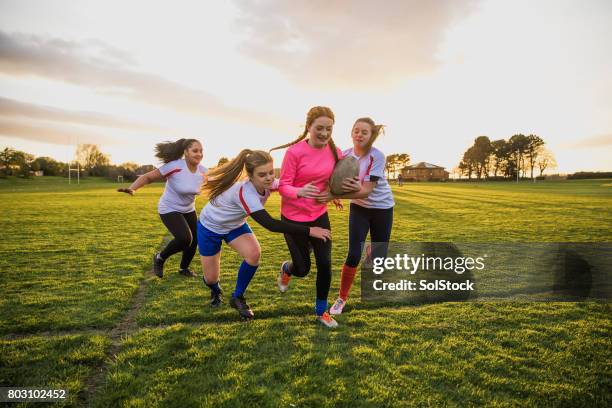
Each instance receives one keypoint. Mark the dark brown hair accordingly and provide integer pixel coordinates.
(313, 114)
(169, 151)
(223, 177)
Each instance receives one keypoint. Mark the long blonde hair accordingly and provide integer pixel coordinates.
(314, 113)
(223, 177)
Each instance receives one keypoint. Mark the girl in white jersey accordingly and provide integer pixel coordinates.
(184, 178)
(224, 219)
(371, 207)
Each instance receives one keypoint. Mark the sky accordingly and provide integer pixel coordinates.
(243, 74)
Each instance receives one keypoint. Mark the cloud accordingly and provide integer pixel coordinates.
(95, 65)
(14, 108)
(593, 141)
(348, 43)
(48, 133)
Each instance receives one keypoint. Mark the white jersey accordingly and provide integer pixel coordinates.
(181, 187)
(373, 164)
(233, 206)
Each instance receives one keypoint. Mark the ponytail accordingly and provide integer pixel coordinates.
(170, 151)
(294, 142)
(223, 177)
(334, 149)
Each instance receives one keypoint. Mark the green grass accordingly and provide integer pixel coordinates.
(52, 362)
(73, 257)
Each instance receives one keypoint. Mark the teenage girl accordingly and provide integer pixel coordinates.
(371, 207)
(307, 167)
(224, 219)
(184, 177)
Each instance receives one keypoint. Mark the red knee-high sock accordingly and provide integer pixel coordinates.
(346, 280)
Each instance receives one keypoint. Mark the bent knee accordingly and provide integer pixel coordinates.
(253, 256)
(300, 270)
(184, 241)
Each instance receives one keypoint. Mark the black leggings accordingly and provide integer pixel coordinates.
(300, 246)
(378, 222)
(183, 227)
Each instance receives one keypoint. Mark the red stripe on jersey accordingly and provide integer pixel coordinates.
(171, 172)
(367, 173)
(244, 204)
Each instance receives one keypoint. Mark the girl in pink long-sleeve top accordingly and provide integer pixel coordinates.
(305, 172)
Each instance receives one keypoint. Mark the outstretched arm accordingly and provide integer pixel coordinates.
(264, 219)
(147, 178)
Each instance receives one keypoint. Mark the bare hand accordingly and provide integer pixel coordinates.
(308, 191)
(351, 185)
(338, 204)
(324, 197)
(126, 190)
(321, 233)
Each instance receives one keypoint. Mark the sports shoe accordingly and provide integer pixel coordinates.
(216, 298)
(239, 303)
(337, 307)
(158, 266)
(283, 278)
(326, 320)
(187, 272)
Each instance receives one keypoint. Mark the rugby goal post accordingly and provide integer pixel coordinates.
(78, 173)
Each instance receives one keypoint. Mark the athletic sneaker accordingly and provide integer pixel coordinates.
(216, 298)
(283, 277)
(326, 320)
(158, 266)
(187, 272)
(337, 307)
(239, 303)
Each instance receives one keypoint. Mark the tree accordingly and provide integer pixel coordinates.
(222, 161)
(90, 156)
(390, 163)
(395, 162)
(49, 166)
(545, 159)
(480, 155)
(24, 160)
(403, 159)
(534, 143)
(7, 159)
(518, 143)
(499, 155)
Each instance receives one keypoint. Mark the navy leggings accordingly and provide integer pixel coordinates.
(183, 227)
(300, 247)
(361, 220)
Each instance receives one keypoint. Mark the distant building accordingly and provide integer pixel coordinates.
(424, 172)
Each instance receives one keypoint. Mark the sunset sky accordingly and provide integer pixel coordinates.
(128, 74)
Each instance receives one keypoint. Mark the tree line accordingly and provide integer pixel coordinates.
(89, 160)
(506, 159)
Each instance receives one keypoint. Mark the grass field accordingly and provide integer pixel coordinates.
(79, 309)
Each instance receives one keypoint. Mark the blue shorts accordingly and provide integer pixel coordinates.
(209, 242)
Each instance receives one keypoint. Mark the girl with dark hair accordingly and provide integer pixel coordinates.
(371, 207)
(184, 177)
(307, 167)
(224, 219)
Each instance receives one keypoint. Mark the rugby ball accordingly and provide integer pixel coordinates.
(347, 167)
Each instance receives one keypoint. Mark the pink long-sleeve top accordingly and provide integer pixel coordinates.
(305, 164)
